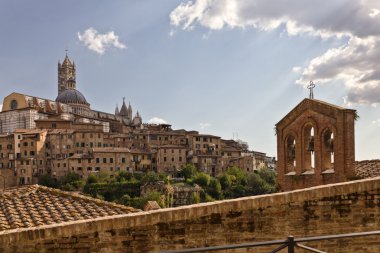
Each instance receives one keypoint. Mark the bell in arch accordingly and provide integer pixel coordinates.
(311, 144)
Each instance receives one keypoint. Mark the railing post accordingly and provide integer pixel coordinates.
(291, 244)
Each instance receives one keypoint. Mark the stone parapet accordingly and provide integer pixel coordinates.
(330, 209)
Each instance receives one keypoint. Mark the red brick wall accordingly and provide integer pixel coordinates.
(321, 116)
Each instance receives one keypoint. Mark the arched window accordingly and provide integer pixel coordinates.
(308, 148)
(290, 154)
(328, 150)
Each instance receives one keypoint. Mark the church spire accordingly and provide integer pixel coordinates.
(124, 110)
(117, 110)
(66, 75)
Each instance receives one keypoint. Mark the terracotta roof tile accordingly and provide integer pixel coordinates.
(34, 205)
(367, 168)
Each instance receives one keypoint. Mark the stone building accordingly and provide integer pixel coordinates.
(20, 111)
(41, 136)
(315, 145)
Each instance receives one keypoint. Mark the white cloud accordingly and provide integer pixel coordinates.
(377, 122)
(99, 42)
(157, 120)
(204, 125)
(355, 62)
(374, 12)
(296, 69)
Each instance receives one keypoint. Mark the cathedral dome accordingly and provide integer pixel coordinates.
(71, 96)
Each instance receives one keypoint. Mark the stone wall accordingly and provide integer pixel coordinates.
(329, 209)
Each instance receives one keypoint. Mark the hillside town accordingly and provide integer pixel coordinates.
(41, 136)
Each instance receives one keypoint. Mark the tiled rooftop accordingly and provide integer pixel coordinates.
(367, 168)
(34, 205)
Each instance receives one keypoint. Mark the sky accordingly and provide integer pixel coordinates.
(231, 68)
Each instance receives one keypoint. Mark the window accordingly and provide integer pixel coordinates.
(54, 125)
(180, 159)
(25, 144)
(104, 160)
(111, 160)
(31, 143)
(172, 151)
(164, 159)
(14, 105)
(91, 145)
(99, 144)
(82, 145)
(32, 153)
(172, 159)
(79, 160)
(123, 160)
(97, 160)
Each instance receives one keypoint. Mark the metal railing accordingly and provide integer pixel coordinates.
(291, 243)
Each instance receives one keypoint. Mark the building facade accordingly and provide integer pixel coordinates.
(41, 136)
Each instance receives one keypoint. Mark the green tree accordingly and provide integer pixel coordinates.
(140, 202)
(152, 177)
(268, 175)
(47, 180)
(92, 179)
(202, 179)
(257, 185)
(189, 171)
(215, 189)
(124, 176)
(71, 182)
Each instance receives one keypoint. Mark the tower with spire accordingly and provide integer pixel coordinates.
(125, 113)
(129, 111)
(66, 75)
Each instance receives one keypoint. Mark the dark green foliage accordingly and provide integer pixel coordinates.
(124, 176)
(152, 177)
(92, 179)
(115, 190)
(202, 179)
(47, 180)
(189, 171)
(71, 182)
(215, 189)
(140, 202)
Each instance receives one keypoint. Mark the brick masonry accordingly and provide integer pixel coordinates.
(330, 209)
(294, 160)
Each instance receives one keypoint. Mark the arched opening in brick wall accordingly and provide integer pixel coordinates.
(308, 150)
(290, 154)
(328, 150)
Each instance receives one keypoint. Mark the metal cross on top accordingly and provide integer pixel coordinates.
(311, 86)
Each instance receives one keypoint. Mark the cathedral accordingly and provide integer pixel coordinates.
(21, 111)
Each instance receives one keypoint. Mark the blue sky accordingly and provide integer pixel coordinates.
(219, 67)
